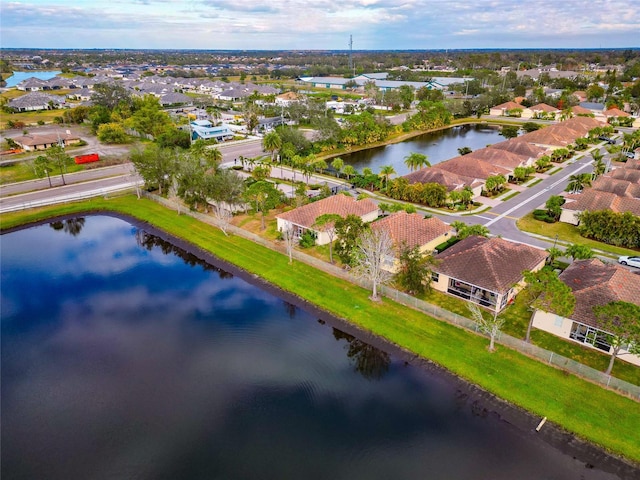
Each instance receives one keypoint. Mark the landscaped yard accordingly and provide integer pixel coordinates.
(543, 390)
(569, 234)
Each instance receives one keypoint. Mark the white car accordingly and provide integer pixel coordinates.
(633, 261)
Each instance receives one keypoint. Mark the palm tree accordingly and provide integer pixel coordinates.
(349, 171)
(337, 164)
(271, 143)
(386, 172)
(415, 161)
(577, 182)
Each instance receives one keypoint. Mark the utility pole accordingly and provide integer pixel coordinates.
(351, 55)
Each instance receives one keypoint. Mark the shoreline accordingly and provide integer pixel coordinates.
(591, 454)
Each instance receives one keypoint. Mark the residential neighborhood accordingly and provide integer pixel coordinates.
(477, 211)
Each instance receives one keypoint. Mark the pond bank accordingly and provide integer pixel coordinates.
(522, 381)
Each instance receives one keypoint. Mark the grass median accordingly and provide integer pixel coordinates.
(593, 413)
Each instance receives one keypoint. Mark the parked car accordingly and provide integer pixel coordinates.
(628, 260)
(604, 138)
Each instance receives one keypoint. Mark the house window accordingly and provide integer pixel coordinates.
(435, 276)
(559, 321)
(591, 336)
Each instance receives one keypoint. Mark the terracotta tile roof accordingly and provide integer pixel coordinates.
(543, 107)
(520, 147)
(472, 167)
(44, 138)
(450, 180)
(342, 205)
(508, 106)
(412, 229)
(563, 133)
(615, 112)
(629, 174)
(619, 187)
(595, 283)
(592, 200)
(578, 110)
(498, 157)
(494, 264)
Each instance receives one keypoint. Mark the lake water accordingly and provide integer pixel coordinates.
(126, 357)
(437, 146)
(17, 77)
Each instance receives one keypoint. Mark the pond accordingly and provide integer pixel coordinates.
(124, 356)
(437, 146)
(17, 77)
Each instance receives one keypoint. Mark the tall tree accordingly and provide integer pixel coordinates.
(545, 291)
(225, 189)
(263, 196)
(43, 167)
(110, 95)
(271, 143)
(622, 322)
(386, 172)
(338, 165)
(414, 272)
(374, 249)
(578, 251)
(577, 182)
(157, 166)
(327, 224)
(348, 231)
(491, 324)
(415, 161)
(58, 157)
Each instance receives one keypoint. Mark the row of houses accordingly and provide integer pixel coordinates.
(485, 271)
(473, 169)
(617, 191)
(544, 111)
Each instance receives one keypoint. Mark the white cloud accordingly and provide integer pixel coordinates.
(321, 24)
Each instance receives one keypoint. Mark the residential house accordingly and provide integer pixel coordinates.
(593, 200)
(503, 109)
(304, 218)
(452, 181)
(288, 98)
(175, 98)
(525, 150)
(593, 283)
(561, 134)
(473, 167)
(542, 110)
(618, 191)
(36, 101)
(411, 230)
(486, 271)
(34, 142)
(204, 129)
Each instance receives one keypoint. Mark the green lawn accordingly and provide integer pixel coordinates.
(22, 171)
(594, 413)
(568, 233)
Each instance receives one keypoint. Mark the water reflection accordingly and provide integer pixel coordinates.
(437, 146)
(369, 361)
(150, 241)
(72, 226)
(158, 367)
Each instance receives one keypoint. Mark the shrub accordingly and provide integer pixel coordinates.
(308, 239)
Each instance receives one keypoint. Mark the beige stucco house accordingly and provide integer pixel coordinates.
(304, 218)
(486, 271)
(410, 230)
(593, 283)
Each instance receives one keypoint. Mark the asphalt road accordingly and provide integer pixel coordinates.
(501, 220)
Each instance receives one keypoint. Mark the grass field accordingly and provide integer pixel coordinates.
(593, 413)
(568, 233)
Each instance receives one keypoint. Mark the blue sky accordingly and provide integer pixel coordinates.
(320, 24)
